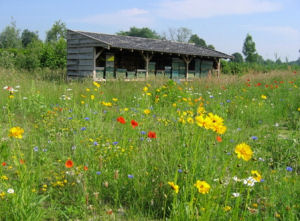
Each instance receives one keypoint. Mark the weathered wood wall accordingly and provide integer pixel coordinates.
(80, 54)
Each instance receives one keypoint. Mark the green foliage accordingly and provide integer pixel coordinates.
(10, 37)
(237, 57)
(121, 174)
(28, 37)
(211, 47)
(140, 32)
(54, 55)
(58, 31)
(7, 59)
(249, 49)
(198, 41)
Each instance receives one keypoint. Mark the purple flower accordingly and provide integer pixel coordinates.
(95, 143)
(86, 118)
(290, 169)
(262, 180)
(254, 138)
(83, 128)
(179, 170)
(115, 143)
(143, 132)
(70, 118)
(130, 176)
(98, 172)
(228, 101)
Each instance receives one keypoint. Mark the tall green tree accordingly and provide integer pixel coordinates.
(10, 37)
(140, 32)
(211, 47)
(57, 31)
(249, 49)
(28, 37)
(197, 41)
(237, 57)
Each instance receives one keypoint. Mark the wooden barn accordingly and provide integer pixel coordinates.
(104, 56)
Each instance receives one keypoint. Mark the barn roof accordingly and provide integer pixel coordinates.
(153, 45)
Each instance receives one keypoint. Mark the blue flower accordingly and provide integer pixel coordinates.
(231, 141)
(179, 170)
(238, 129)
(130, 176)
(254, 138)
(70, 118)
(115, 143)
(86, 118)
(211, 96)
(228, 101)
(105, 111)
(83, 128)
(96, 143)
(262, 180)
(98, 172)
(143, 132)
(45, 150)
(290, 169)
(36, 149)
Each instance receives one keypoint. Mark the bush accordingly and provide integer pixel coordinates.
(7, 59)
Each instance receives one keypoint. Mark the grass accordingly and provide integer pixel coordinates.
(119, 173)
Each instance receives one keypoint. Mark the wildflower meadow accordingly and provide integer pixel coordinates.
(211, 149)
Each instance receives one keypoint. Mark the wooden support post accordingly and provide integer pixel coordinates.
(187, 61)
(147, 59)
(96, 55)
(219, 68)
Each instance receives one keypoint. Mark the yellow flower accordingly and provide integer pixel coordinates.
(263, 97)
(125, 109)
(227, 208)
(82, 102)
(147, 111)
(87, 89)
(2, 195)
(16, 132)
(145, 89)
(149, 94)
(4, 177)
(92, 97)
(174, 105)
(202, 186)
(174, 186)
(115, 99)
(96, 84)
(256, 176)
(243, 151)
(11, 96)
(190, 120)
(298, 108)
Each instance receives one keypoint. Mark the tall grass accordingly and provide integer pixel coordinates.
(120, 173)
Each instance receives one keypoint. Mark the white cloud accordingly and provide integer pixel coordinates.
(123, 18)
(190, 9)
(283, 31)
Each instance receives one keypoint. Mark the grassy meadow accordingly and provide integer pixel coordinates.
(209, 149)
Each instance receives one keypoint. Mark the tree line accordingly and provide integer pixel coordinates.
(25, 50)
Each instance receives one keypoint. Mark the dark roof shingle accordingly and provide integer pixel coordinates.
(155, 45)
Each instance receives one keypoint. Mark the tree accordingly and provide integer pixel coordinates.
(249, 49)
(58, 30)
(211, 47)
(237, 57)
(28, 37)
(140, 32)
(197, 41)
(10, 37)
(180, 34)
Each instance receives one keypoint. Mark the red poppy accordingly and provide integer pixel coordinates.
(22, 161)
(219, 139)
(266, 85)
(69, 163)
(151, 134)
(294, 72)
(85, 168)
(258, 84)
(4, 164)
(121, 120)
(134, 123)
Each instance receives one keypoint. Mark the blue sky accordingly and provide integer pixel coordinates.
(273, 24)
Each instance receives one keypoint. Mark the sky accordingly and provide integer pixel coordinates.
(273, 24)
